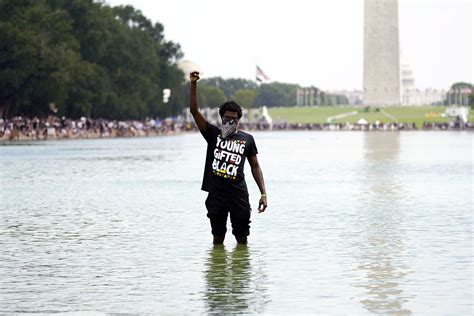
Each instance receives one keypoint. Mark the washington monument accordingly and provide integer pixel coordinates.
(381, 53)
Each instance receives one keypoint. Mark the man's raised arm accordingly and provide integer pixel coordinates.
(193, 106)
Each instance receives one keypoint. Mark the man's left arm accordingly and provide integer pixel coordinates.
(258, 176)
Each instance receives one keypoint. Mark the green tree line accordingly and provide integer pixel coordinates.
(85, 58)
(247, 93)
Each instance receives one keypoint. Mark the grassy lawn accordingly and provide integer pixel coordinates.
(409, 114)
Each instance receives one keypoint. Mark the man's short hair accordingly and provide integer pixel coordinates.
(230, 106)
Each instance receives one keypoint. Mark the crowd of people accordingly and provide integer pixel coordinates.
(378, 126)
(53, 127)
(21, 128)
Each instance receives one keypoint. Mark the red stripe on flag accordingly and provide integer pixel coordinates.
(261, 74)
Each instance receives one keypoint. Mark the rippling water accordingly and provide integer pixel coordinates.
(358, 223)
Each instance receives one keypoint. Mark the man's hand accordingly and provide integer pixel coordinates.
(258, 176)
(194, 76)
(262, 204)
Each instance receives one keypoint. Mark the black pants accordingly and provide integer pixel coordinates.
(218, 206)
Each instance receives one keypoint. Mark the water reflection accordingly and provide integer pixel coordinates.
(381, 246)
(232, 285)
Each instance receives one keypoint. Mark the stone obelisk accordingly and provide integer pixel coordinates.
(381, 53)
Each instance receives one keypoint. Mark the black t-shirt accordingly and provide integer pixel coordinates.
(225, 160)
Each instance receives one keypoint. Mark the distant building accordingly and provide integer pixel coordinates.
(381, 53)
(312, 96)
(408, 80)
(423, 97)
(354, 97)
(307, 96)
(458, 96)
(413, 96)
(188, 66)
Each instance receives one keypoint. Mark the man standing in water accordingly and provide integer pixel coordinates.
(224, 178)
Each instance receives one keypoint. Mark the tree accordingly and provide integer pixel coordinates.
(245, 97)
(209, 96)
(230, 86)
(38, 51)
(87, 58)
(276, 94)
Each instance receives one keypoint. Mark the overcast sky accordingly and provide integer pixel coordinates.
(313, 42)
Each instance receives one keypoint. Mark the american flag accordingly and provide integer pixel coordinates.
(261, 76)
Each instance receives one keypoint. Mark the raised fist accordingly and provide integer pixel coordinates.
(194, 76)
